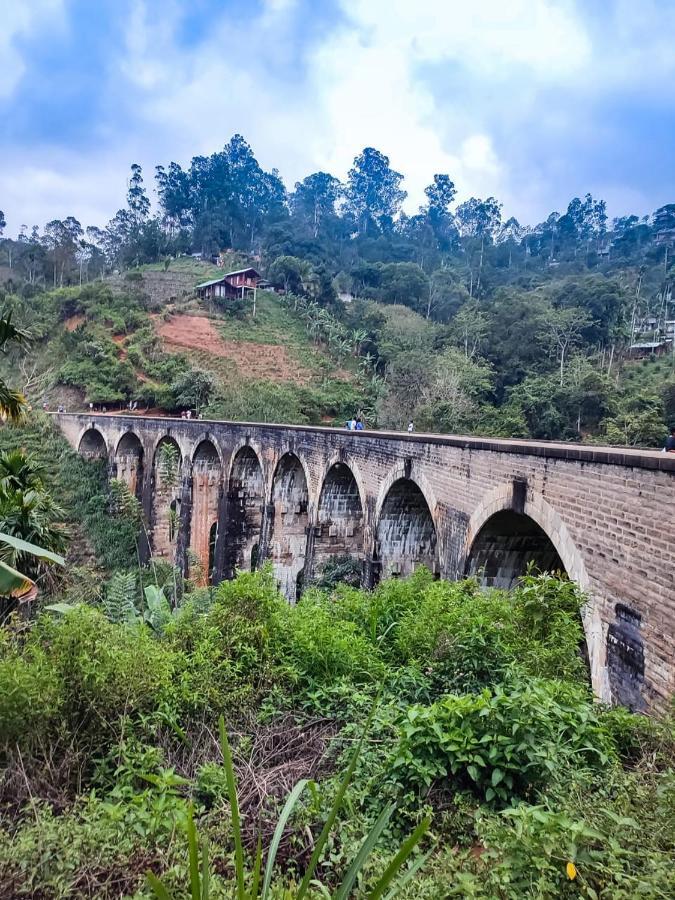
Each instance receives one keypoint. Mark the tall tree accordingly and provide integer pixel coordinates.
(440, 194)
(173, 190)
(563, 329)
(373, 190)
(479, 218)
(137, 198)
(664, 218)
(589, 217)
(446, 295)
(314, 198)
(61, 239)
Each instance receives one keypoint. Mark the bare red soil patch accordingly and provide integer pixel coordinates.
(269, 362)
(73, 322)
(119, 339)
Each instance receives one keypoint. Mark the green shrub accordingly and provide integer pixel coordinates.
(223, 658)
(464, 639)
(640, 739)
(379, 615)
(97, 848)
(339, 570)
(107, 671)
(617, 846)
(31, 693)
(548, 626)
(319, 649)
(502, 744)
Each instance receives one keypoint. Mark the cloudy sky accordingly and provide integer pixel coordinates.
(532, 101)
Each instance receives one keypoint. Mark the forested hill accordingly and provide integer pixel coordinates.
(458, 316)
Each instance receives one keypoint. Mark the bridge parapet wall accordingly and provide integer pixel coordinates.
(607, 512)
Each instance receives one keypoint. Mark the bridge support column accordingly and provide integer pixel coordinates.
(310, 553)
(184, 523)
(145, 548)
(266, 526)
(221, 550)
(370, 573)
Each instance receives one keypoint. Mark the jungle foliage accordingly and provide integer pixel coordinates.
(471, 709)
(458, 317)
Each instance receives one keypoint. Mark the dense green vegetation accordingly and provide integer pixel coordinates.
(463, 320)
(476, 727)
(481, 720)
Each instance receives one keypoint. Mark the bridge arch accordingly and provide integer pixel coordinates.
(92, 443)
(340, 515)
(129, 462)
(246, 501)
(205, 446)
(408, 472)
(535, 507)
(519, 526)
(167, 470)
(289, 524)
(405, 531)
(206, 490)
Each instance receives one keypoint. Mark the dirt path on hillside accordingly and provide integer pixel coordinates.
(269, 362)
(73, 322)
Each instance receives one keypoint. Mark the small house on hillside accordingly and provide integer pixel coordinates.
(232, 285)
(643, 349)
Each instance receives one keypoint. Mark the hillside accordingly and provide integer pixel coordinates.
(459, 317)
(146, 339)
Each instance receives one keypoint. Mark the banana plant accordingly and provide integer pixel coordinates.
(12, 403)
(15, 584)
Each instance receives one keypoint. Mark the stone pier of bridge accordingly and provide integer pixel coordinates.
(221, 497)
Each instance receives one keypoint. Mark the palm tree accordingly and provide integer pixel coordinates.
(12, 403)
(29, 517)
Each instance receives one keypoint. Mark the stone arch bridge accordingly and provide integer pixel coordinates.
(221, 496)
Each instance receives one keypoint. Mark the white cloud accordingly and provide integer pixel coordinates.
(35, 190)
(438, 85)
(544, 37)
(20, 19)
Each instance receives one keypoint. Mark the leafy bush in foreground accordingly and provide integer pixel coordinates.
(107, 737)
(506, 743)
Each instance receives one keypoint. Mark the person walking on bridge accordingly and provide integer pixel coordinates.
(670, 441)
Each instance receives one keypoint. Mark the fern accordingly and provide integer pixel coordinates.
(123, 503)
(119, 598)
(169, 459)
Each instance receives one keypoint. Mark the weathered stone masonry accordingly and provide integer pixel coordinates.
(299, 495)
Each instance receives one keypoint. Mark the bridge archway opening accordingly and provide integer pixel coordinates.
(246, 499)
(340, 517)
(206, 481)
(406, 534)
(92, 445)
(290, 521)
(166, 498)
(129, 462)
(504, 547)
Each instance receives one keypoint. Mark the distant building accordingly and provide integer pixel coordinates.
(642, 349)
(233, 285)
